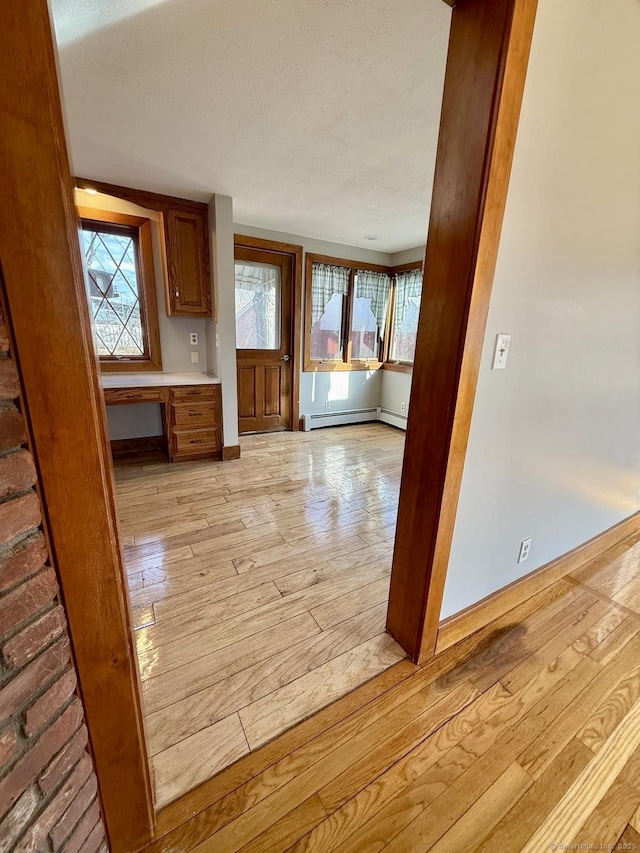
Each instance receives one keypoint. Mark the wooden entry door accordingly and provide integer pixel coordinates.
(264, 293)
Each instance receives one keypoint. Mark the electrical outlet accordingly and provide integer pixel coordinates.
(327, 405)
(195, 357)
(525, 547)
(193, 339)
(403, 406)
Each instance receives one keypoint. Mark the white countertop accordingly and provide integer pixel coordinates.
(148, 379)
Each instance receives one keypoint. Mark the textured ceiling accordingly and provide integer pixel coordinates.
(319, 117)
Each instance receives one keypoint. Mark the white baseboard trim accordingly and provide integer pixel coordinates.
(353, 416)
(393, 419)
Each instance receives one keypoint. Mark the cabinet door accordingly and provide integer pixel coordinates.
(189, 287)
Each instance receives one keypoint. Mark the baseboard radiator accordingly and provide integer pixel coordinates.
(352, 416)
(393, 418)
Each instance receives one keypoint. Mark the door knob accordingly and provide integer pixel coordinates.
(285, 358)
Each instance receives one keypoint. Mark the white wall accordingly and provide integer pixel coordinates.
(145, 420)
(554, 450)
(221, 336)
(343, 390)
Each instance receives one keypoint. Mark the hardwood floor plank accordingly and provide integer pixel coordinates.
(629, 840)
(405, 819)
(203, 672)
(616, 640)
(323, 759)
(537, 757)
(193, 760)
(590, 787)
(172, 625)
(608, 715)
(163, 584)
(346, 606)
(516, 827)
(247, 783)
(239, 691)
(608, 820)
(212, 595)
(289, 828)
(474, 826)
(313, 691)
(305, 578)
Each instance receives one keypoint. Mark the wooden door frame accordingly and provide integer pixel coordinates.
(484, 83)
(241, 241)
(489, 46)
(49, 315)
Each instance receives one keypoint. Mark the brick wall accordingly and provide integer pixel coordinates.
(48, 788)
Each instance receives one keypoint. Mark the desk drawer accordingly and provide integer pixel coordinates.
(186, 442)
(192, 392)
(195, 415)
(132, 395)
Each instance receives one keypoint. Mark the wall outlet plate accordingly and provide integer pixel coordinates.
(327, 404)
(403, 406)
(193, 339)
(525, 547)
(195, 357)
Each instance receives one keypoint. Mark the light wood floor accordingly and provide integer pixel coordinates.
(259, 589)
(524, 737)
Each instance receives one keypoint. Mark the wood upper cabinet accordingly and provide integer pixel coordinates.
(185, 237)
(187, 252)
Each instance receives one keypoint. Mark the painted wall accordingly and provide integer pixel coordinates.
(343, 391)
(554, 450)
(221, 335)
(145, 420)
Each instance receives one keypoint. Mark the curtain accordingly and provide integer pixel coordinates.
(408, 287)
(325, 281)
(376, 287)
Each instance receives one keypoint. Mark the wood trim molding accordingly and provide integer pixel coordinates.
(484, 82)
(123, 447)
(231, 451)
(241, 241)
(146, 293)
(461, 625)
(411, 265)
(143, 198)
(46, 300)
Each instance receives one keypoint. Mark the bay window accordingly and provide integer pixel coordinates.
(360, 316)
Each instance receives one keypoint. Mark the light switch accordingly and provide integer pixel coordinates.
(193, 338)
(501, 352)
(195, 357)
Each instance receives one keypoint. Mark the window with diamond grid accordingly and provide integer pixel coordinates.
(114, 289)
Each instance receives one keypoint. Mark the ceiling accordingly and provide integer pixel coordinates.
(319, 117)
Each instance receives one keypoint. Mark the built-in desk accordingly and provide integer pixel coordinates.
(191, 408)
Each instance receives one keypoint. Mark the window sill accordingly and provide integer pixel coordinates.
(398, 367)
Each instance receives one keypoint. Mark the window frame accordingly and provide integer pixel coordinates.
(398, 365)
(347, 363)
(146, 278)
